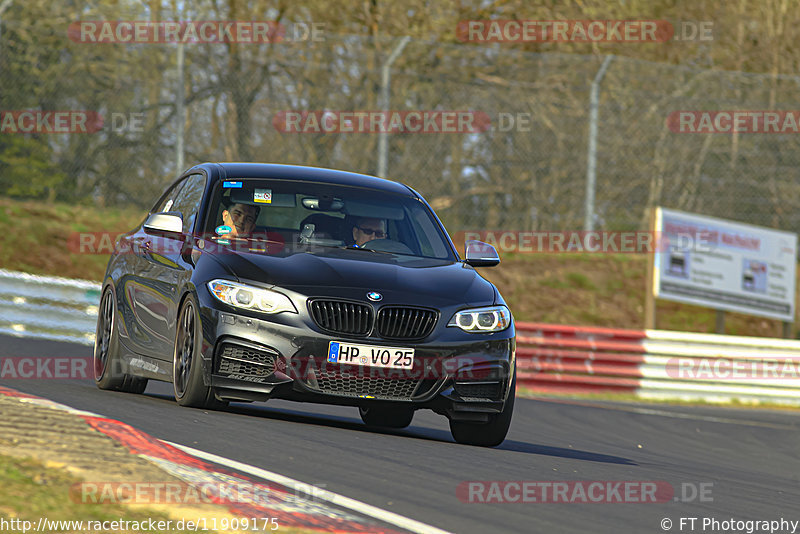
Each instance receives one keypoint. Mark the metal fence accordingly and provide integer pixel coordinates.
(47, 307)
(528, 177)
(657, 364)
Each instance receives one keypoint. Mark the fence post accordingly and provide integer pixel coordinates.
(179, 114)
(591, 156)
(383, 136)
(719, 326)
(3, 6)
(649, 294)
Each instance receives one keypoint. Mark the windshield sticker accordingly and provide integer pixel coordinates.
(223, 229)
(262, 196)
(167, 206)
(228, 183)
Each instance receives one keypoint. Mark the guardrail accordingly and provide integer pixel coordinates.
(48, 307)
(551, 359)
(660, 364)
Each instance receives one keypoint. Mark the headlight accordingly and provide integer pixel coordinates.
(477, 320)
(250, 298)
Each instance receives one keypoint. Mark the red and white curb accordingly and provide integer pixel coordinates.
(660, 364)
(319, 509)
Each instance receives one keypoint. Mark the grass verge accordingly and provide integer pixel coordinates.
(30, 491)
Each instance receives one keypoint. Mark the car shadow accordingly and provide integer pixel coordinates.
(414, 432)
(560, 452)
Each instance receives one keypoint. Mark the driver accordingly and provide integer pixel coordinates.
(241, 218)
(366, 229)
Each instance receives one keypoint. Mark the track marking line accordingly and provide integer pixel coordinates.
(333, 498)
(711, 418)
(676, 415)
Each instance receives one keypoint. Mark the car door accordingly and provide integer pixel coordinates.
(164, 270)
(140, 327)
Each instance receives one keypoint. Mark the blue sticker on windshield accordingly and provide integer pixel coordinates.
(223, 229)
(228, 183)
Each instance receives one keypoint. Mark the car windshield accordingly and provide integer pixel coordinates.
(324, 216)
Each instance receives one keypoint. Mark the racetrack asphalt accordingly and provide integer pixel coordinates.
(746, 460)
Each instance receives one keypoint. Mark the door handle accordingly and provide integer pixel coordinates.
(141, 245)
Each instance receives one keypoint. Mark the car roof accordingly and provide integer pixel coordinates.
(301, 173)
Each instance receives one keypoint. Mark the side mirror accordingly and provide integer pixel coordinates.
(480, 254)
(168, 223)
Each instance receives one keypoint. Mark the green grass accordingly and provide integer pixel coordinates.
(29, 491)
(39, 242)
(555, 283)
(580, 281)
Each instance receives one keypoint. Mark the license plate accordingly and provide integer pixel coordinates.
(370, 355)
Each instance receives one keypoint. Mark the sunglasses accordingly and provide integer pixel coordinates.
(380, 234)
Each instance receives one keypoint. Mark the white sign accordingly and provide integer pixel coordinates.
(263, 196)
(725, 265)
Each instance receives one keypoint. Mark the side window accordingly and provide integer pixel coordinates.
(430, 242)
(167, 200)
(188, 200)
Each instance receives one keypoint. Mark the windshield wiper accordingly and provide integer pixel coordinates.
(353, 247)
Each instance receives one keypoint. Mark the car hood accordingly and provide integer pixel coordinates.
(352, 272)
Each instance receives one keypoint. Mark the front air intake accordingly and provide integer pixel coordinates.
(236, 359)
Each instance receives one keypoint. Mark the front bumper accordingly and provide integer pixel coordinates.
(463, 376)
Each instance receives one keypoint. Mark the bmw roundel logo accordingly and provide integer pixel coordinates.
(374, 296)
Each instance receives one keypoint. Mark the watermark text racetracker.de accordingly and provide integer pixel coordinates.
(202, 31)
(197, 492)
(581, 241)
(105, 243)
(778, 368)
(734, 121)
(35, 121)
(582, 31)
(366, 366)
(504, 241)
(173, 493)
(582, 491)
(45, 367)
(372, 122)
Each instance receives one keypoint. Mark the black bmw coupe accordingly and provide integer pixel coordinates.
(248, 281)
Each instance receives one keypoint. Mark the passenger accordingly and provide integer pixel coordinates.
(241, 218)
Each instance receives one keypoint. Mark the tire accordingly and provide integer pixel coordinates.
(489, 434)
(187, 369)
(107, 365)
(386, 416)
